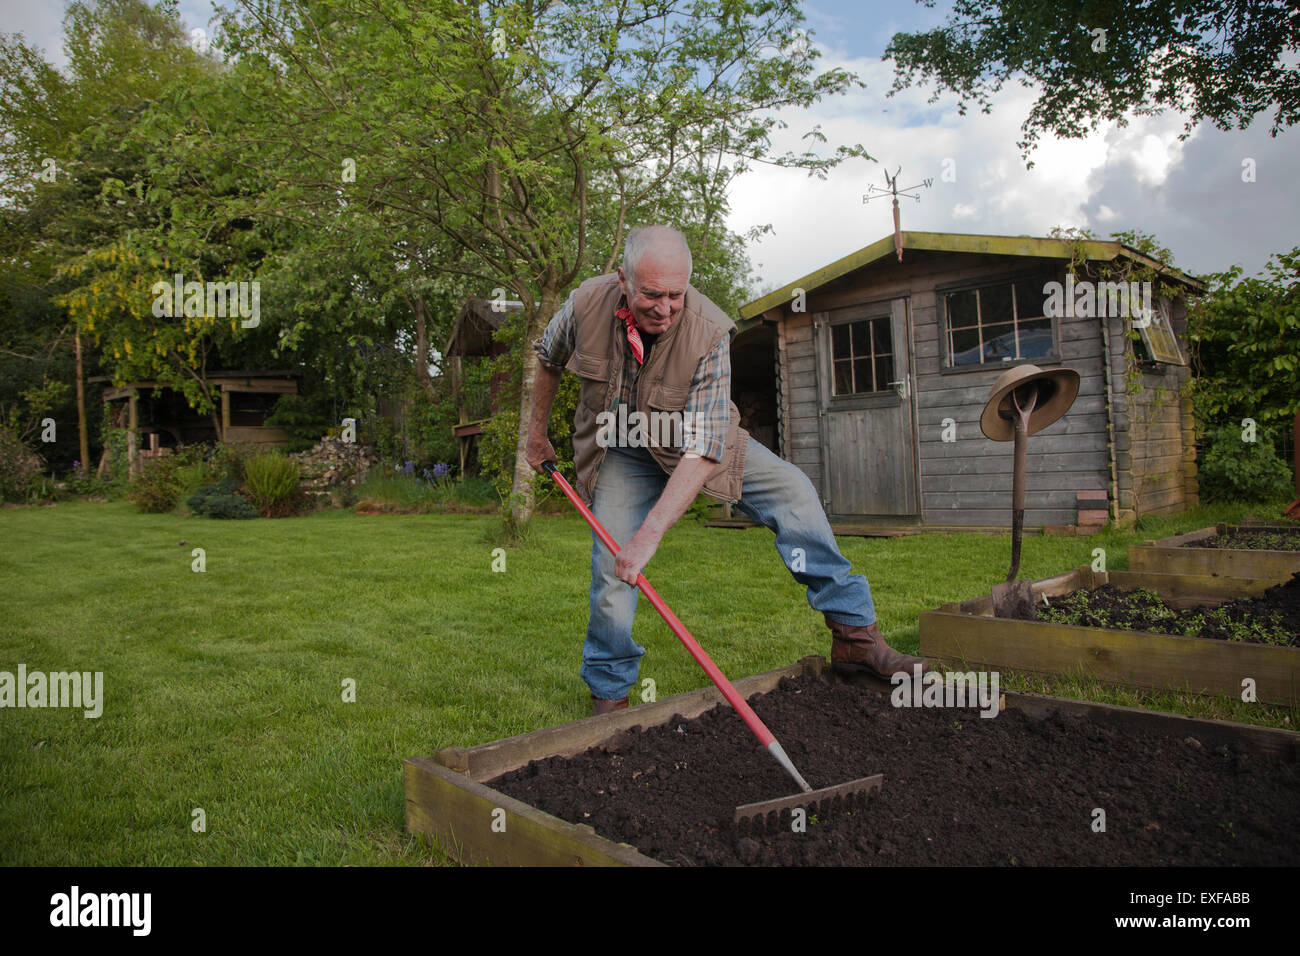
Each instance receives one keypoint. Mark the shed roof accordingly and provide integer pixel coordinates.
(1096, 250)
(475, 324)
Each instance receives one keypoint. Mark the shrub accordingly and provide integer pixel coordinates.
(227, 460)
(194, 476)
(271, 483)
(220, 501)
(83, 482)
(19, 465)
(156, 488)
(229, 506)
(305, 417)
(1241, 471)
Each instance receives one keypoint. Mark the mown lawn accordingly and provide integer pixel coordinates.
(224, 689)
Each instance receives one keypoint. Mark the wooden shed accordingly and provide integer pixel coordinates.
(875, 368)
(473, 338)
(164, 418)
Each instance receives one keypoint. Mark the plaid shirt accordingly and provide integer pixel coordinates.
(710, 393)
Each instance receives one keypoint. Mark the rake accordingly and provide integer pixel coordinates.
(763, 812)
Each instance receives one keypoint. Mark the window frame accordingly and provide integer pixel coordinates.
(849, 314)
(854, 357)
(942, 292)
(1163, 310)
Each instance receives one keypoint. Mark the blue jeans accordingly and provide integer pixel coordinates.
(775, 493)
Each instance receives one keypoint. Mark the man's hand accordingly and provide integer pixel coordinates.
(539, 450)
(635, 555)
(687, 480)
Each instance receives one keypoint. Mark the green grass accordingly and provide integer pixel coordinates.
(223, 690)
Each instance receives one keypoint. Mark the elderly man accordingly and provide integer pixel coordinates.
(644, 338)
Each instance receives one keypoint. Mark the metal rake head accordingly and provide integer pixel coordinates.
(778, 814)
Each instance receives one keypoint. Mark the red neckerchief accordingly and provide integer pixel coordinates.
(633, 334)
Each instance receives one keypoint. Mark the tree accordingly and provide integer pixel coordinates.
(1098, 60)
(1243, 337)
(526, 135)
(59, 148)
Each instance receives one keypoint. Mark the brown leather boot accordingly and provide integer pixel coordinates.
(600, 706)
(856, 649)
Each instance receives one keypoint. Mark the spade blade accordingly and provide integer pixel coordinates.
(1014, 599)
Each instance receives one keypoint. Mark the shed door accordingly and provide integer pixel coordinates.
(864, 374)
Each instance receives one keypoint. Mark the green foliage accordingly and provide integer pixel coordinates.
(423, 493)
(1245, 345)
(19, 465)
(430, 419)
(227, 459)
(162, 483)
(305, 417)
(1239, 470)
(702, 508)
(501, 432)
(271, 482)
(220, 501)
(1210, 59)
(85, 482)
(194, 475)
(228, 506)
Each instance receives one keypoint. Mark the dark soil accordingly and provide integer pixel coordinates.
(1271, 618)
(1286, 540)
(958, 789)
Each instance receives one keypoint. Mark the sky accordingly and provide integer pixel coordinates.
(1190, 194)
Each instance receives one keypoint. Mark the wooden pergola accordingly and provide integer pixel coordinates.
(229, 383)
(472, 335)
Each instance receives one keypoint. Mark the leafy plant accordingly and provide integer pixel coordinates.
(702, 508)
(1241, 471)
(161, 483)
(1243, 345)
(83, 482)
(304, 417)
(220, 501)
(19, 465)
(272, 481)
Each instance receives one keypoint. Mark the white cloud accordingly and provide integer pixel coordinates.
(816, 222)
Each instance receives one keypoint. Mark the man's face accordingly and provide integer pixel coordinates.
(656, 292)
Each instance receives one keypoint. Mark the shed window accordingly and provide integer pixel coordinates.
(998, 323)
(863, 356)
(1158, 337)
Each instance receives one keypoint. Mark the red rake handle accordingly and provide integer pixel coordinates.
(751, 719)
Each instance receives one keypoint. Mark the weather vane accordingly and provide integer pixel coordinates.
(891, 189)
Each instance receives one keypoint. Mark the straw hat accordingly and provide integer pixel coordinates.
(1057, 390)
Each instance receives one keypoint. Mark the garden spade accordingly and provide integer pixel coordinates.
(1015, 598)
(823, 799)
(1023, 400)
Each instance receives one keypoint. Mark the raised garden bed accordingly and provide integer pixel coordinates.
(1268, 552)
(653, 785)
(1270, 618)
(968, 634)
